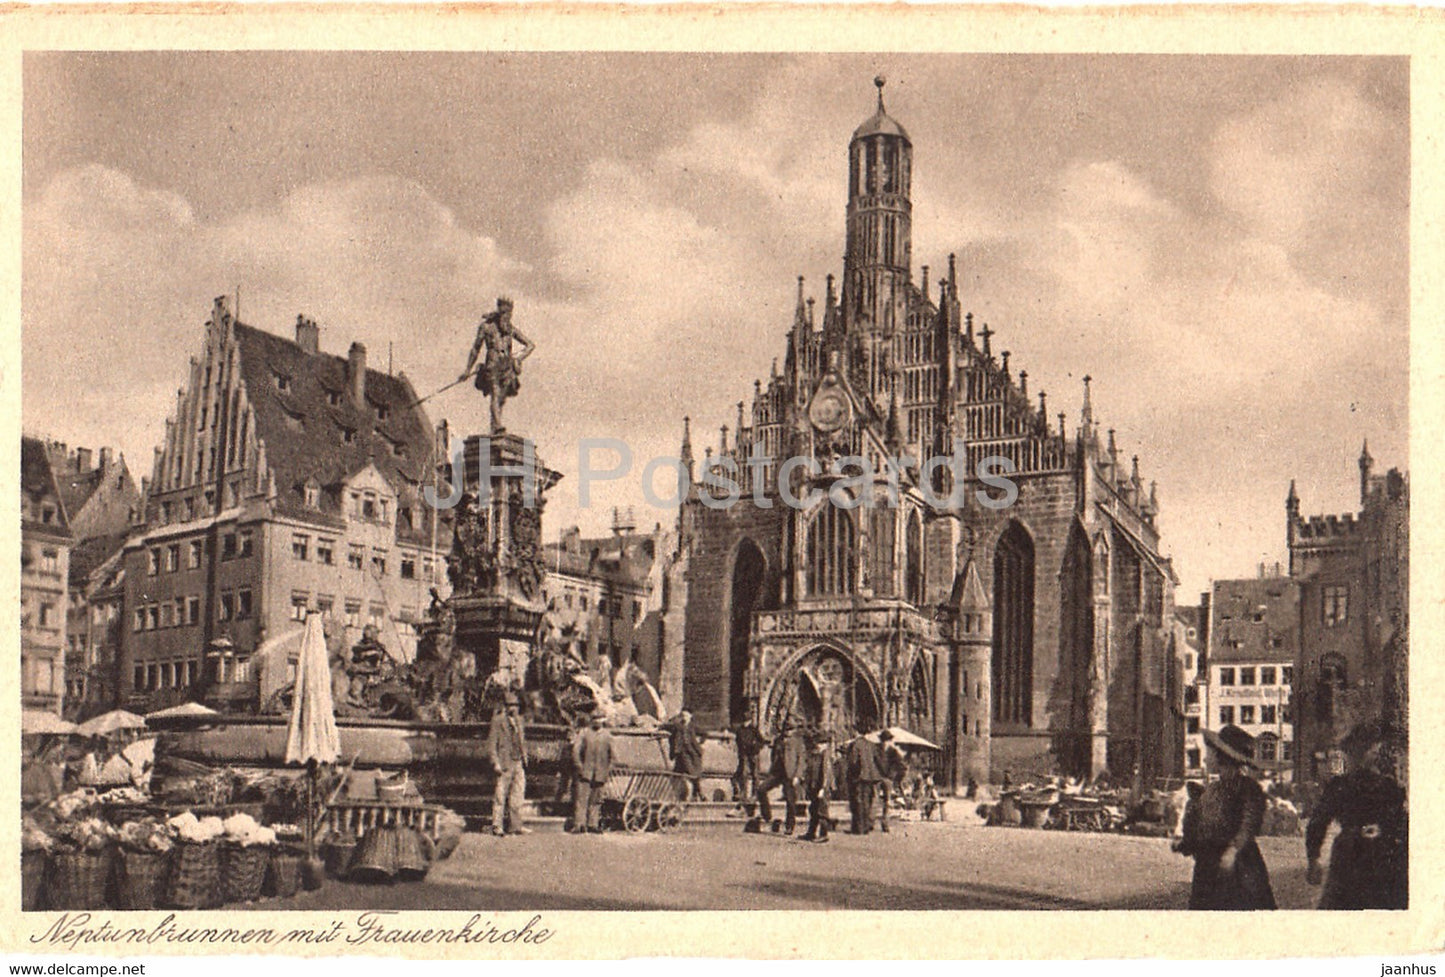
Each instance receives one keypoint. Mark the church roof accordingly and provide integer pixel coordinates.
(881, 124)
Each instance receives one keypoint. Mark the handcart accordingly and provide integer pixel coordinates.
(1075, 813)
(638, 800)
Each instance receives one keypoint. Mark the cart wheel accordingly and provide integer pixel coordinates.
(636, 813)
(669, 816)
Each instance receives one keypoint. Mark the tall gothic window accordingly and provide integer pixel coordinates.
(832, 549)
(913, 560)
(1013, 627)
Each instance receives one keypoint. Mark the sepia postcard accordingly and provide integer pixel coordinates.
(514, 482)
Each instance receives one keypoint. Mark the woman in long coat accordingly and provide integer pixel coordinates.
(1229, 871)
(1369, 862)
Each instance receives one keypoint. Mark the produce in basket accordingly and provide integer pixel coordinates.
(76, 804)
(244, 830)
(147, 835)
(198, 830)
(33, 837)
(91, 835)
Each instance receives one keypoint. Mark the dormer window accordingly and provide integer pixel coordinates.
(311, 493)
(283, 382)
(333, 397)
(348, 435)
(383, 412)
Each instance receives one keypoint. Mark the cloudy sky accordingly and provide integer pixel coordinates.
(1221, 242)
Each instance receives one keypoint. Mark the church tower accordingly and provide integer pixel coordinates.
(879, 250)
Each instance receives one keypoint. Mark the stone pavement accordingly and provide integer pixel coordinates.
(928, 865)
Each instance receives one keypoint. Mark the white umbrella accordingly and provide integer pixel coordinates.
(311, 734)
(902, 737)
(34, 721)
(110, 722)
(182, 711)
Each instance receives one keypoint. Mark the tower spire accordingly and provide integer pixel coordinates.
(880, 81)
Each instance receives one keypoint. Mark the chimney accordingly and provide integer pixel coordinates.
(82, 459)
(356, 373)
(104, 458)
(308, 335)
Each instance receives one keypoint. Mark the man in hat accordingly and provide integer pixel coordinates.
(865, 770)
(1369, 861)
(507, 749)
(592, 760)
(818, 781)
(686, 748)
(1221, 825)
(790, 751)
(893, 767)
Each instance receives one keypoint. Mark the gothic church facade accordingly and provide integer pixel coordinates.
(1031, 637)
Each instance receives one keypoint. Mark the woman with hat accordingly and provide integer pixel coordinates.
(1229, 871)
(1369, 859)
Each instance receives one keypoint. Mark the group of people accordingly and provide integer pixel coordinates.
(1368, 862)
(591, 756)
(805, 760)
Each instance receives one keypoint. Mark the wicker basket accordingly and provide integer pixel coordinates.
(141, 881)
(376, 856)
(195, 876)
(243, 871)
(78, 880)
(32, 880)
(283, 876)
(340, 853)
(411, 855)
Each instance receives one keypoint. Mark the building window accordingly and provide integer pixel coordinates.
(1336, 601)
(153, 677)
(153, 617)
(428, 569)
(1246, 714)
(50, 561)
(1286, 675)
(168, 675)
(1286, 749)
(1226, 676)
(166, 611)
(333, 397)
(1266, 675)
(312, 494)
(1226, 715)
(378, 615)
(1191, 759)
(1191, 725)
(1333, 682)
(193, 610)
(325, 605)
(356, 557)
(1267, 715)
(173, 557)
(138, 678)
(326, 551)
(1268, 747)
(228, 546)
(300, 601)
(188, 506)
(243, 603)
(832, 549)
(165, 513)
(244, 542)
(283, 383)
(378, 563)
(300, 545)
(408, 568)
(1246, 675)
(1189, 661)
(154, 566)
(193, 555)
(1276, 641)
(228, 606)
(353, 614)
(140, 619)
(348, 435)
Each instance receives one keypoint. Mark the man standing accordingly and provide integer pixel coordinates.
(749, 744)
(507, 749)
(864, 772)
(893, 768)
(819, 781)
(789, 755)
(687, 753)
(592, 758)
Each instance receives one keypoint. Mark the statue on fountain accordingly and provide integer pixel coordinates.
(499, 375)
